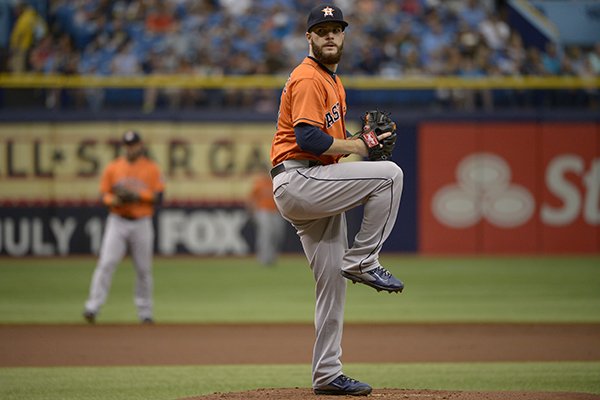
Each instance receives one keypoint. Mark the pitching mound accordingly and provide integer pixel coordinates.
(396, 394)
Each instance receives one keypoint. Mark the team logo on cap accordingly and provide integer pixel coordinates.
(328, 11)
(129, 136)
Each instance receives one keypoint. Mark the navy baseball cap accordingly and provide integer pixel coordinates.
(325, 13)
(131, 137)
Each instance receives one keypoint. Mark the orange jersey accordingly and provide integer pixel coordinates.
(142, 176)
(313, 96)
(261, 195)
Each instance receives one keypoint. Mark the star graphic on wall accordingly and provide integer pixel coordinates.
(58, 156)
(328, 11)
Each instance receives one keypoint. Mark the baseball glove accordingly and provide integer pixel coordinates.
(375, 123)
(125, 195)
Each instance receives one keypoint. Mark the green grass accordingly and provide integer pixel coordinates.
(471, 289)
(476, 289)
(147, 383)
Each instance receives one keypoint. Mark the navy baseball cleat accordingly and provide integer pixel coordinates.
(378, 278)
(90, 317)
(344, 385)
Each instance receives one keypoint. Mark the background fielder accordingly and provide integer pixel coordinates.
(312, 191)
(270, 227)
(131, 186)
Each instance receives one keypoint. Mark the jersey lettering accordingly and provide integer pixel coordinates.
(332, 116)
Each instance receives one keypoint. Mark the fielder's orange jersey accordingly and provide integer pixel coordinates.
(141, 176)
(314, 96)
(261, 196)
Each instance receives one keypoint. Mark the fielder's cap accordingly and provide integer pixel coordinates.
(325, 13)
(131, 137)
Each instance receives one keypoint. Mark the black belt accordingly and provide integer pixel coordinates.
(127, 217)
(292, 164)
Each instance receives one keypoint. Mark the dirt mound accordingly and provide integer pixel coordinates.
(396, 394)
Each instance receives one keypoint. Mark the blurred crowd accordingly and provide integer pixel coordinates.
(469, 38)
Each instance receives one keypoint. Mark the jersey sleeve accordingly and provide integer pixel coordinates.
(106, 181)
(312, 139)
(308, 105)
(106, 184)
(155, 184)
(159, 181)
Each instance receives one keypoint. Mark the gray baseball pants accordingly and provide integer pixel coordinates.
(314, 201)
(270, 232)
(119, 235)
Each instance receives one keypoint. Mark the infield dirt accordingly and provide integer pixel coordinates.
(179, 344)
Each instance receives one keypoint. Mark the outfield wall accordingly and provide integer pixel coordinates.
(495, 187)
(471, 186)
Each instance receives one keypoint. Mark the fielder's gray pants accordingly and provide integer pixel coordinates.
(314, 201)
(119, 234)
(270, 232)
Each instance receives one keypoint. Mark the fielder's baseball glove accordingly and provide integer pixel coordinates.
(125, 195)
(375, 123)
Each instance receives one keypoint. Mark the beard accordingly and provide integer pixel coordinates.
(327, 59)
(133, 155)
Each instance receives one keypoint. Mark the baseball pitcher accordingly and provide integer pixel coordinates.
(131, 186)
(312, 190)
